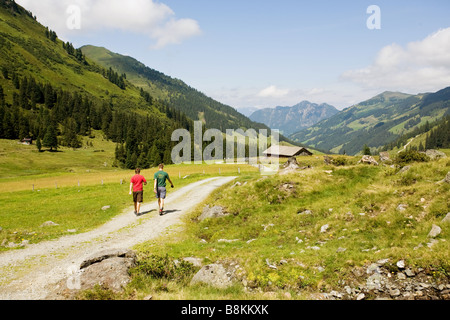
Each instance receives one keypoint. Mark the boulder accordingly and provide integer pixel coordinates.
(107, 254)
(110, 273)
(214, 275)
(109, 269)
(368, 160)
(435, 154)
(385, 157)
(291, 163)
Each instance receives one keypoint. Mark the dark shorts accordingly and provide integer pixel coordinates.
(138, 196)
(161, 193)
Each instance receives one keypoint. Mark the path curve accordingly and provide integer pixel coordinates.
(31, 273)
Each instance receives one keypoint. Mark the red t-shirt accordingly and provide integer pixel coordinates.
(137, 182)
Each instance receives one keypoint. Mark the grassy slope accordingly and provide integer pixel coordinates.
(26, 50)
(359, 203)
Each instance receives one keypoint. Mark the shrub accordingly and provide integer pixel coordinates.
(411, 156)
(165, 267)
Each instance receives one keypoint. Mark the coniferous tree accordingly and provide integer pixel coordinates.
(50, 139)
(2, 97)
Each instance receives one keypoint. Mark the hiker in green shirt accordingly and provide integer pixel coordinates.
(160, 187)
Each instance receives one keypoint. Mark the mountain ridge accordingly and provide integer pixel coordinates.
(376, 122)
(293, 119)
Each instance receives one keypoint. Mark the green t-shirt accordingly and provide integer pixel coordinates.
(161, 178)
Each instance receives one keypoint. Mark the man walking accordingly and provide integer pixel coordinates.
(160, 187)
(137, 189)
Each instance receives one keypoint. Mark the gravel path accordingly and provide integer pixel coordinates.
(31, 273)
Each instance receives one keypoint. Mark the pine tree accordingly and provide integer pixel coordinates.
(50, 139)
(155, 158)
(366, 150)
(39, 144)
(70, 136)
(2, 97)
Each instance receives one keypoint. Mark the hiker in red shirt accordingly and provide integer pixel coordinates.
(137, 189)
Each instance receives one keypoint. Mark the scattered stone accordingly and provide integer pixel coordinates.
(214, 275)
(72, 230)
(49, 224)
(404, 169)
(445, 220)
(214, 212)
(401, 276)
(304, 212)
(360, 296)
(409, 272)
(385, 157)
(106, 208)
(435, 231)
(197, 262)
(341, 250)
(272, 266)
(446, 179)
(148, 298)
(228, 241)
(266, 226)
(401, 264)
(402, 207)
(324, 228)
(395, 293)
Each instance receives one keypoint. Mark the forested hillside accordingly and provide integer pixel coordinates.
(196, 105)
(51, 93)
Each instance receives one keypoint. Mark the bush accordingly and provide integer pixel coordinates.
(165, 267)
(340, 161)
(411, 156)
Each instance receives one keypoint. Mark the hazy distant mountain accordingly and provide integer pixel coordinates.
(247, 111)
(293, 119)
(376, 122)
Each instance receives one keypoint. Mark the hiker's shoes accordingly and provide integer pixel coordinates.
(136, 213)
(161, 211)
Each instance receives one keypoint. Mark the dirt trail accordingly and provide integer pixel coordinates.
(30, 274)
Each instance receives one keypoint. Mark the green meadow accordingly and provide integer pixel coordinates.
(293, 235)
(314, 225)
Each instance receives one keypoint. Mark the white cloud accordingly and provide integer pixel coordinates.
(273, 92)
(419, 66)
(147, 17)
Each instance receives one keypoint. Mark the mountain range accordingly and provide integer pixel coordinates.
(45, 82)
(290, 120)
(376, 122)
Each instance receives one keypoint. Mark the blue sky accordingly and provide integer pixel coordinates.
(265, 53)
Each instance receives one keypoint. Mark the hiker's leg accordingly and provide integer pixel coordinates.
(138, 207)
(162, 204)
